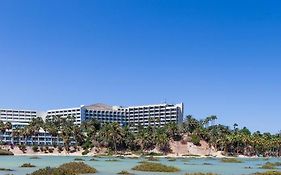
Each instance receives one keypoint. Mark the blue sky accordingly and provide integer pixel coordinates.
(218, 57)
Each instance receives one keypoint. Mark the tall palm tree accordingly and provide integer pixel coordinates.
(3, 128)
(66, 131)
(162, 140)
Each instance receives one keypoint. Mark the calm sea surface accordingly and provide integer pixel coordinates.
(105, 167)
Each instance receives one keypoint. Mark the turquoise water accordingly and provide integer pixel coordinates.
(109, 167)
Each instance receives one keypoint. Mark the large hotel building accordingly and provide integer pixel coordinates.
(147, 115)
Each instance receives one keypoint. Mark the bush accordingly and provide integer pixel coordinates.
(72, 168)
(77, 168)
(195, 140)
(22, 148)
(60, 149)
(27, 165)
(42, 149)
(112, 160)
(125, 172)
(151, 158)
(35, 148)
(200, 173)
(85, 152)
(269, 165)
(269, 173)
(51, 150)
(153, 154)
(5, 152)
(171, 159)
(154, 167)
(78, 159)
(230, 160)
(50, 171)
(6, 169)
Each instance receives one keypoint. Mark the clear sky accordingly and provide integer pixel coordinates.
(218, 57)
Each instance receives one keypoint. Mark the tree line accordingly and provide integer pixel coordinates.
(91, 133)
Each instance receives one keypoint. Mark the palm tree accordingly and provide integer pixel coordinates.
(53, 130)
(129, 139)
(162, 140)
(172, 130)
(115, 133)
(3, 128)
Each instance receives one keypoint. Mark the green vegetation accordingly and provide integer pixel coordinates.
(35, 157)
(152, 154)
(112, 160)
(93, 159)
(79, 159)
(72, 168)
(191, 155)
(6, 169)
(195, 139)
(269, 173)
(270, 165)
(171, 159)
(200, 173)
(125, 172)
(231, 141)
(151, 158)
(154, 167)
(27, 165)
(230, 160)
(5, 152)
(35, 148)
(3, 128)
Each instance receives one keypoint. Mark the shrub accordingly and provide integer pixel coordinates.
(125, 172)
(42, 149)
(171, 159)
(153, 154)
(112, 160)
(195, 140)
(72, 168)
(6, 169)
(154, 167)
(191, 155)
(230, 160)
(50, 171)
(85, 152)
(22, 148)
(269, 173)
(151, 158)
(200, 173)
(35, 148)
(27, 165)
(60, 149)
(77, 168)
(79, 159)
(269, 165)
(51, 150)
(5, 152)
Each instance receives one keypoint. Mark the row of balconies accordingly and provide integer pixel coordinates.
(9, 111)
(64, 111)
(111, 112)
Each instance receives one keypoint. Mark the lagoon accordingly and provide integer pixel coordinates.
(105, 167)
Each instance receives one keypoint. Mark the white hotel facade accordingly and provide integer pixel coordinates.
(156, 115)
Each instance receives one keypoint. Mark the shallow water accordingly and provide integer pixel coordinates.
(112, 167)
